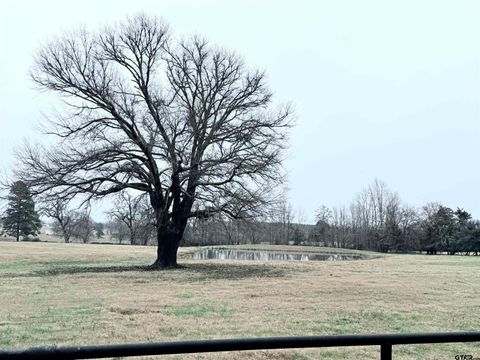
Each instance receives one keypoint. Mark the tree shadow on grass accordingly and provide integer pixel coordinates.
(229, 271)
(74, 269)
(190, 272)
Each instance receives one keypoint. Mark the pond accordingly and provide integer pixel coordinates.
(223, 254)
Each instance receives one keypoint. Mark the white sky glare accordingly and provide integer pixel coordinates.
(382, 89)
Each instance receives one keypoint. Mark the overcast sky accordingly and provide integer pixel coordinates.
(382, 89)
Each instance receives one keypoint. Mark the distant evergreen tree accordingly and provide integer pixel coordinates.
(21, 219)
(474, 240)
(462, 216)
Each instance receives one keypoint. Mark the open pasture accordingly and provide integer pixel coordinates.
(73, 294)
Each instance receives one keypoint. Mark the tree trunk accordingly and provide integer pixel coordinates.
(66, 236)
(168, 241)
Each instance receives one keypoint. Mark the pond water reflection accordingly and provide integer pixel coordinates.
(223, 254)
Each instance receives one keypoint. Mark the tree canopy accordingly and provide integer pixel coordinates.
(184, 122)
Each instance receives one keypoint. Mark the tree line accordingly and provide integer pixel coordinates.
(21, 218)
(377, 220)
(132, 221)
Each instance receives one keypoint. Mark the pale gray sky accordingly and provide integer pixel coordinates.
(386, 89)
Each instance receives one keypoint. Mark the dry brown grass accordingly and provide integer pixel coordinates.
(69, 294)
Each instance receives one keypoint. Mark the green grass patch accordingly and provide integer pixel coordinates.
(173, 331)
(184, 295)
(14, 266)
(298, 357)
(202, 310)
(344, 322)
(59, 323)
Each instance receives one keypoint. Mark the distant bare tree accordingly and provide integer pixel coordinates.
(136, 214)
(322, 232)
(186, 124)
(391, 234)
(117, 230)
(69, 223)
(278, 219)
(64, 219)
(83, 226)
(409, 226)
(323, 214)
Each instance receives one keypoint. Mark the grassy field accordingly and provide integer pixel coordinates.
(73, 294)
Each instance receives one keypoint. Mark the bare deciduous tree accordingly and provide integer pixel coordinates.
(134, 212)
(117, 230)
(83, 225)
(186, 124)
(64, 219)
